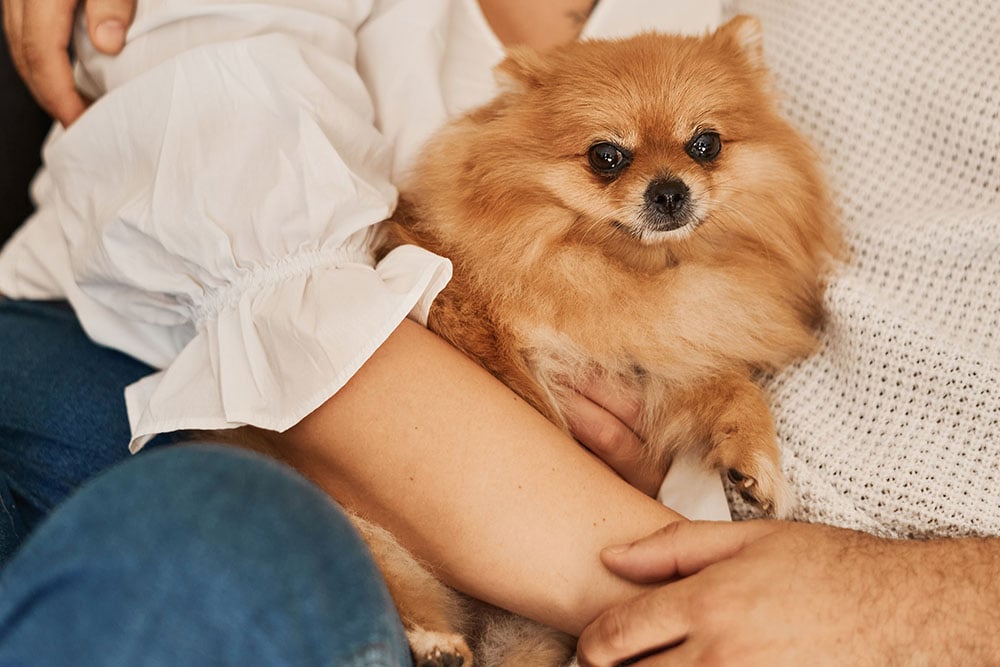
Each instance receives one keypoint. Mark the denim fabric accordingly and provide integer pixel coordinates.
(197, 555)
(62, 411)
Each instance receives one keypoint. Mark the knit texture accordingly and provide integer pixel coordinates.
(893, 426)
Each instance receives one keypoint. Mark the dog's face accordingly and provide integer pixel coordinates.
(659, 197)
(650, 138)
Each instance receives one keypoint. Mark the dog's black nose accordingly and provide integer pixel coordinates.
(669, 197)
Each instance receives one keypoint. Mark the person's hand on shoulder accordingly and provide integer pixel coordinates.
(39, 33)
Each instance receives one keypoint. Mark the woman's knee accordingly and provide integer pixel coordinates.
(224, 553)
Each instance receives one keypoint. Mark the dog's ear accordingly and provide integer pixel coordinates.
(522, 69)
(745, 33)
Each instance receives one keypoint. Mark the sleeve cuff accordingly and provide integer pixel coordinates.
(282, 349)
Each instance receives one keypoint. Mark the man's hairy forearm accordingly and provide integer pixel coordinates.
(505, 506)
(949, 606)
(923, 602)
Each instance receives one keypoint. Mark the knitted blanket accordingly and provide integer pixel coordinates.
(893, 426)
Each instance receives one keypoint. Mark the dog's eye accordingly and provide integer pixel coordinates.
(705, 147)
(607, 159)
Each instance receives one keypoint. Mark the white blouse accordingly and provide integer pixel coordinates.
(211, 214)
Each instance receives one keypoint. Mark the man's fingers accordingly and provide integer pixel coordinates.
(614, 442)
(685, 654)
(620, 402)
(39, 33)
(46, 27)
(681, 549)
(12, 19)
(652, 621)
(107, 23)
(13, 22)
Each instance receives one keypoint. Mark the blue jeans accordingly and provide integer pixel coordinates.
(62, 412)
(182, 555)
(197, 555)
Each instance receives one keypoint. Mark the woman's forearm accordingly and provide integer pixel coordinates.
(469, 477)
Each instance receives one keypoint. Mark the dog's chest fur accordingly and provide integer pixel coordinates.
(563, 316)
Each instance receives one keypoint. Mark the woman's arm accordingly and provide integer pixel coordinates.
(474, 481)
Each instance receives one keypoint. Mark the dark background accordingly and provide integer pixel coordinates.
(22, 127)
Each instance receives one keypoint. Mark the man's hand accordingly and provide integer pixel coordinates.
(775, 593)
(603, 420)
(39, 31)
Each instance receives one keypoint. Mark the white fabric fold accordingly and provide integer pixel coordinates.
(693, 491)
(282, 348)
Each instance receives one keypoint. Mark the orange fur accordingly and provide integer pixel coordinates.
(561, 273)
(553, 278)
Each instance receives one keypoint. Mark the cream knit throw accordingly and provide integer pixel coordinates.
(893, 427)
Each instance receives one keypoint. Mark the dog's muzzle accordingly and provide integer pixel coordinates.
(668, 204)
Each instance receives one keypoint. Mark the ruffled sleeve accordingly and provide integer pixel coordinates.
(217, 205)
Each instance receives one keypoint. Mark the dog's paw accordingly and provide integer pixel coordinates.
(761, 483)
(743, 445)
(438, 649)
(750, 459)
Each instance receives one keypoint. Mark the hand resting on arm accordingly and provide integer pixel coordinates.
(779, 593)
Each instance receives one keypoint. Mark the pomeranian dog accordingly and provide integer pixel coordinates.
(635, 211)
